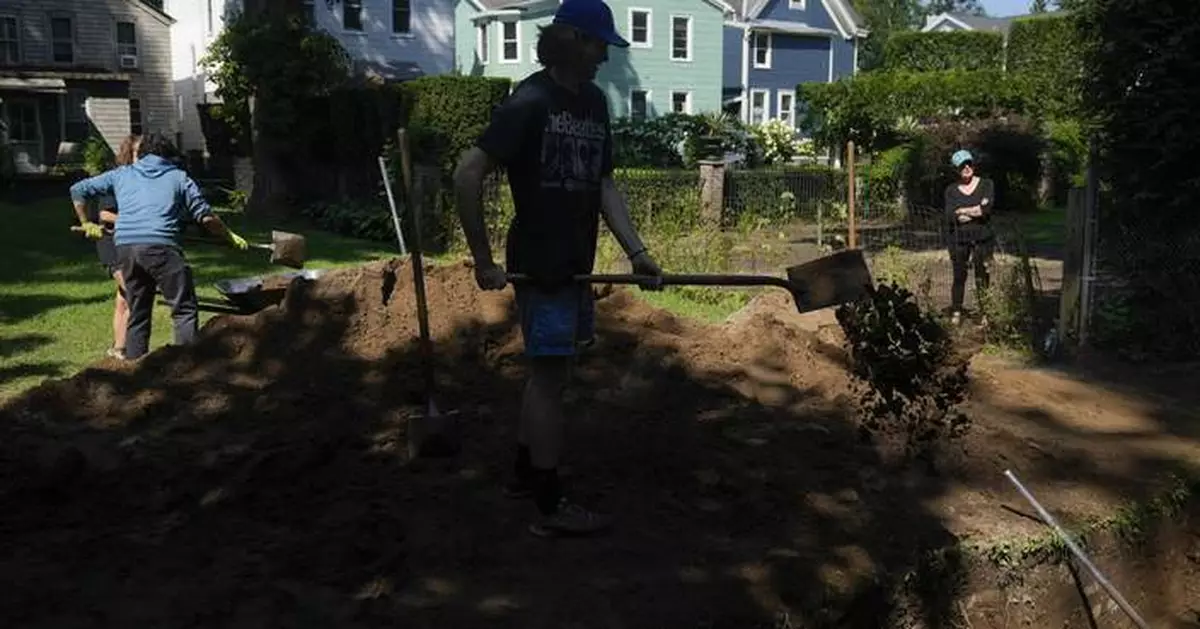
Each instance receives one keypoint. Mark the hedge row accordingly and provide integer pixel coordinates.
(866, 108)
(955, 50)
(1045, 52)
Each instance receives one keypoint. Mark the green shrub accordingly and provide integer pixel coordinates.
(1007, 150)
(1139, 59)
(780, 194)
(1044, 52)
(448, 113)
(356, 219)
(955, 50)
(1068, 152)
(97, 156)
(887, 181)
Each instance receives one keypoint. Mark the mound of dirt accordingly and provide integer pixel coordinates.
(258, 478)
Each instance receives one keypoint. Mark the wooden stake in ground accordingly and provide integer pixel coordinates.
(852, 237)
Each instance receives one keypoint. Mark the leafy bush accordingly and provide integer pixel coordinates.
(350, 218)
(97, 156)
(954, 50)
(888, 179)
(778, 141)
(1044, 52)
(1067, 149)
(911, 380)
(869, 108)
(673, 140)
(1006, 150)
(780, 193)
(1139, 58)
(448, 113)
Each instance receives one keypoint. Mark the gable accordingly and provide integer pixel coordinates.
(821, 14)
(154, 11)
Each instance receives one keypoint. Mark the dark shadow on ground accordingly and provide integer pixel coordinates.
(259, 479)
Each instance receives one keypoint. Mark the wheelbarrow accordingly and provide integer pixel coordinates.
(249, 295)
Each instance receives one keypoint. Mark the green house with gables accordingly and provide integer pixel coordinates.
(673, 63)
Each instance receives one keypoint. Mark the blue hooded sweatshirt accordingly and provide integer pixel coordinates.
(155, 199)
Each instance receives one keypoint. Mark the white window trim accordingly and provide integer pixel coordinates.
(502, 41)
(690, 38)
(798, 5)
(687, 104)
(53, 15)
(20, 51)
(649, 103)
(483, 36)
(649, 43)
(754, 51)
(766, 94)
(779, 108)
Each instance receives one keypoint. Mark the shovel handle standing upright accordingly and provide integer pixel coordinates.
(418, 267)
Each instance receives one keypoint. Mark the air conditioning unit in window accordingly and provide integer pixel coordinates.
(129, 62)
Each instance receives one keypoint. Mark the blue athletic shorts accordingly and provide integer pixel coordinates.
(554, 323)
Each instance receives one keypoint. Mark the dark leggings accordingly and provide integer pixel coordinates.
(961, 255)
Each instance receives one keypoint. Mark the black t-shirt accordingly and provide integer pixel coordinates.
(556, 146)
(976, 229)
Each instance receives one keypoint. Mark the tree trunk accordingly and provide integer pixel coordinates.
(270, 192)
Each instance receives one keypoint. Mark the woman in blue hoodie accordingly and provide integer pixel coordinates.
(157, 200)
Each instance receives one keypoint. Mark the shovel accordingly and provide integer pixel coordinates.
(286, 248)
(828, 281)
(433, 434)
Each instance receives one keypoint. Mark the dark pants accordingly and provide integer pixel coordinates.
(962, 254)
(148, 268)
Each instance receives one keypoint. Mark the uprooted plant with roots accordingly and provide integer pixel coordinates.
(910, 379)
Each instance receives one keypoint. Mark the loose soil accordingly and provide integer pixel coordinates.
(260, 479)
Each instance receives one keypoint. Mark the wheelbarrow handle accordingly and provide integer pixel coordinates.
(673, 280)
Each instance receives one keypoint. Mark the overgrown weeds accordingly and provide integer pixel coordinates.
(910, 378)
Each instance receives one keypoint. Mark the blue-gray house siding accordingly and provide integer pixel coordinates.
(807, 44)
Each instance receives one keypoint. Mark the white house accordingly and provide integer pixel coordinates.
(392, 39)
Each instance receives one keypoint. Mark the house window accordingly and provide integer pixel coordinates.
(681, 38)
(639, 28)
(10, 41)
(62, 39)
(760, 44)
(798, 5)
(352, 15)
(135, 116)
(482, 44)
(75, 117)
(308, 10)
(639, 104)
(681, 102)
(127, 49)
(510, 42)
(401, 16)
(786, 108)
(758, 106)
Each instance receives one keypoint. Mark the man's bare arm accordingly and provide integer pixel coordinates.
(616, 216)
(472, 168)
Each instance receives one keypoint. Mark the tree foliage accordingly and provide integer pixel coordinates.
(1141, 58)
(971, 7)
(884, 17)
(277, 59)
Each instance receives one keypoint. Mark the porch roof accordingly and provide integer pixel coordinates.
(75, 74)
(45, 86)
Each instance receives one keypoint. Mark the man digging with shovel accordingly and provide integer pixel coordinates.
(553, 138)
(157, 200)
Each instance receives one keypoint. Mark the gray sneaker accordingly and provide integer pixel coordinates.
(570, 520)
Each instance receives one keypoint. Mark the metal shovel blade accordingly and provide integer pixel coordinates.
(288, 249)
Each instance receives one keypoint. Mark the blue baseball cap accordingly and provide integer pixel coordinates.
(593, 17)
(961, 157)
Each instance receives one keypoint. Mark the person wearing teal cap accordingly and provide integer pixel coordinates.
(553, 137)
(969, 205)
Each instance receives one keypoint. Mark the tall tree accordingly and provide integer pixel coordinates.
(973, 7)
(883, 18)
(1039, 6)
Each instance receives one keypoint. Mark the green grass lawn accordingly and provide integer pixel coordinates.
(56, 300)
(1045, 229)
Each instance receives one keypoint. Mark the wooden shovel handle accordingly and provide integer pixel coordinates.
(674, 280)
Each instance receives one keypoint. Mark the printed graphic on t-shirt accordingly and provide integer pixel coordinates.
(572, 152)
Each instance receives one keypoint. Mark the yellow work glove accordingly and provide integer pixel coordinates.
(92, 230)
(238, 242)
